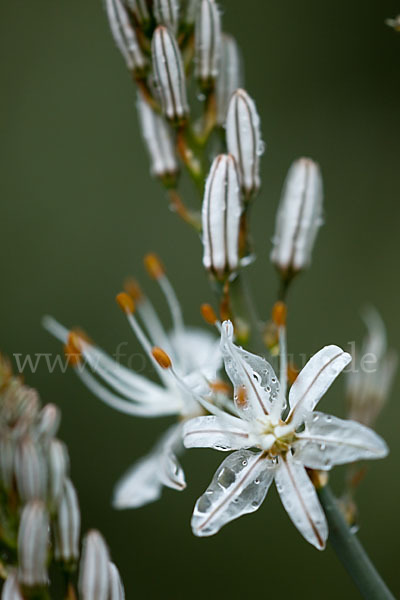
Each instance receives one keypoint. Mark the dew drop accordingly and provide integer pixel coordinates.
(244, 463)
(257, 481)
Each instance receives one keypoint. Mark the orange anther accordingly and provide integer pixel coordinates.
(208, 314)
(125, 302)
(241, 399)
(132, 288)
(161, 357)
(292, 372)
(74, 342)
(279, 313)
(221, 387)
(154, 266)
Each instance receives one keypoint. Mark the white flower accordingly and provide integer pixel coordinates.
(197, 358)
(374, 368)
(268, 446)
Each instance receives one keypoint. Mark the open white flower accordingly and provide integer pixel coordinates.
(197, 358)
(269, 446)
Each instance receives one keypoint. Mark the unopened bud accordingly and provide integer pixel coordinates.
(11, 589)
(33, 545)
(94, 576)
(168, 74)
(159, 142)
(58, 470)
(207, 42)
(243, 137)
(230, 75)
(221, 215)
(30, 470)
(48, 421)
(139, 9)
(67, 525)
(299, 217)
(124, 35)
(166, 12)
(117, 591)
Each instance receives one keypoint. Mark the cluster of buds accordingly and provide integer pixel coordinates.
(39, 513)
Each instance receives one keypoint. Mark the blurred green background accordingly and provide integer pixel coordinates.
(79, 210)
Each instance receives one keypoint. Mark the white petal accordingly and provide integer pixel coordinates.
(239, 487)
(301, 502)
(328, 441)
(220, 433)
(144, 481)
(201, 349)
(315, 379)
(251, 371)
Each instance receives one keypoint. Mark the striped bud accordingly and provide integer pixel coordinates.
(299, 217)
(243, 137)
(58, 464)
(189, 11)
(48, 421)
(33, 545)
(166, 12)
(117, 591)
(221, 214)
(139, 9)
(11, 590)
(67, 525)
(94, 576)
(230, 75)
(124, 35)
(30, 471)
(207, 42)
(159, 142)
(168, 74)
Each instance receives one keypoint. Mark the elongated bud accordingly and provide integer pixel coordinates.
(243, 137)
(166, 12)
(159, 142)
(207, 42)
(94, 576)
(169, 75)
(58, 470)
(117, 591)
(30, 471)
(48, 421)
(189, 11)
(33, 545)
(124, 35)
(139, 9)
(67, 525)
(11, 589)
(222, 209)
(230, 75)
(299, 217)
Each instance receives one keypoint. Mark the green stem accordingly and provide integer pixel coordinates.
(350, 551)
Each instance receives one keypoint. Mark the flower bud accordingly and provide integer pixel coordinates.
(207, 42)
(124, 35)
(30, 470)
(58, 470)
(33, 544)
(67, 525)
(94, 576)
(230, 75)
(166, 12)
(11, 589)
(139, 9)
(48, 421)
(243, 138)
(168, 74)
(117, 591)
(159, 142)
(299, 217)
(221, 215)
(189, 11)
